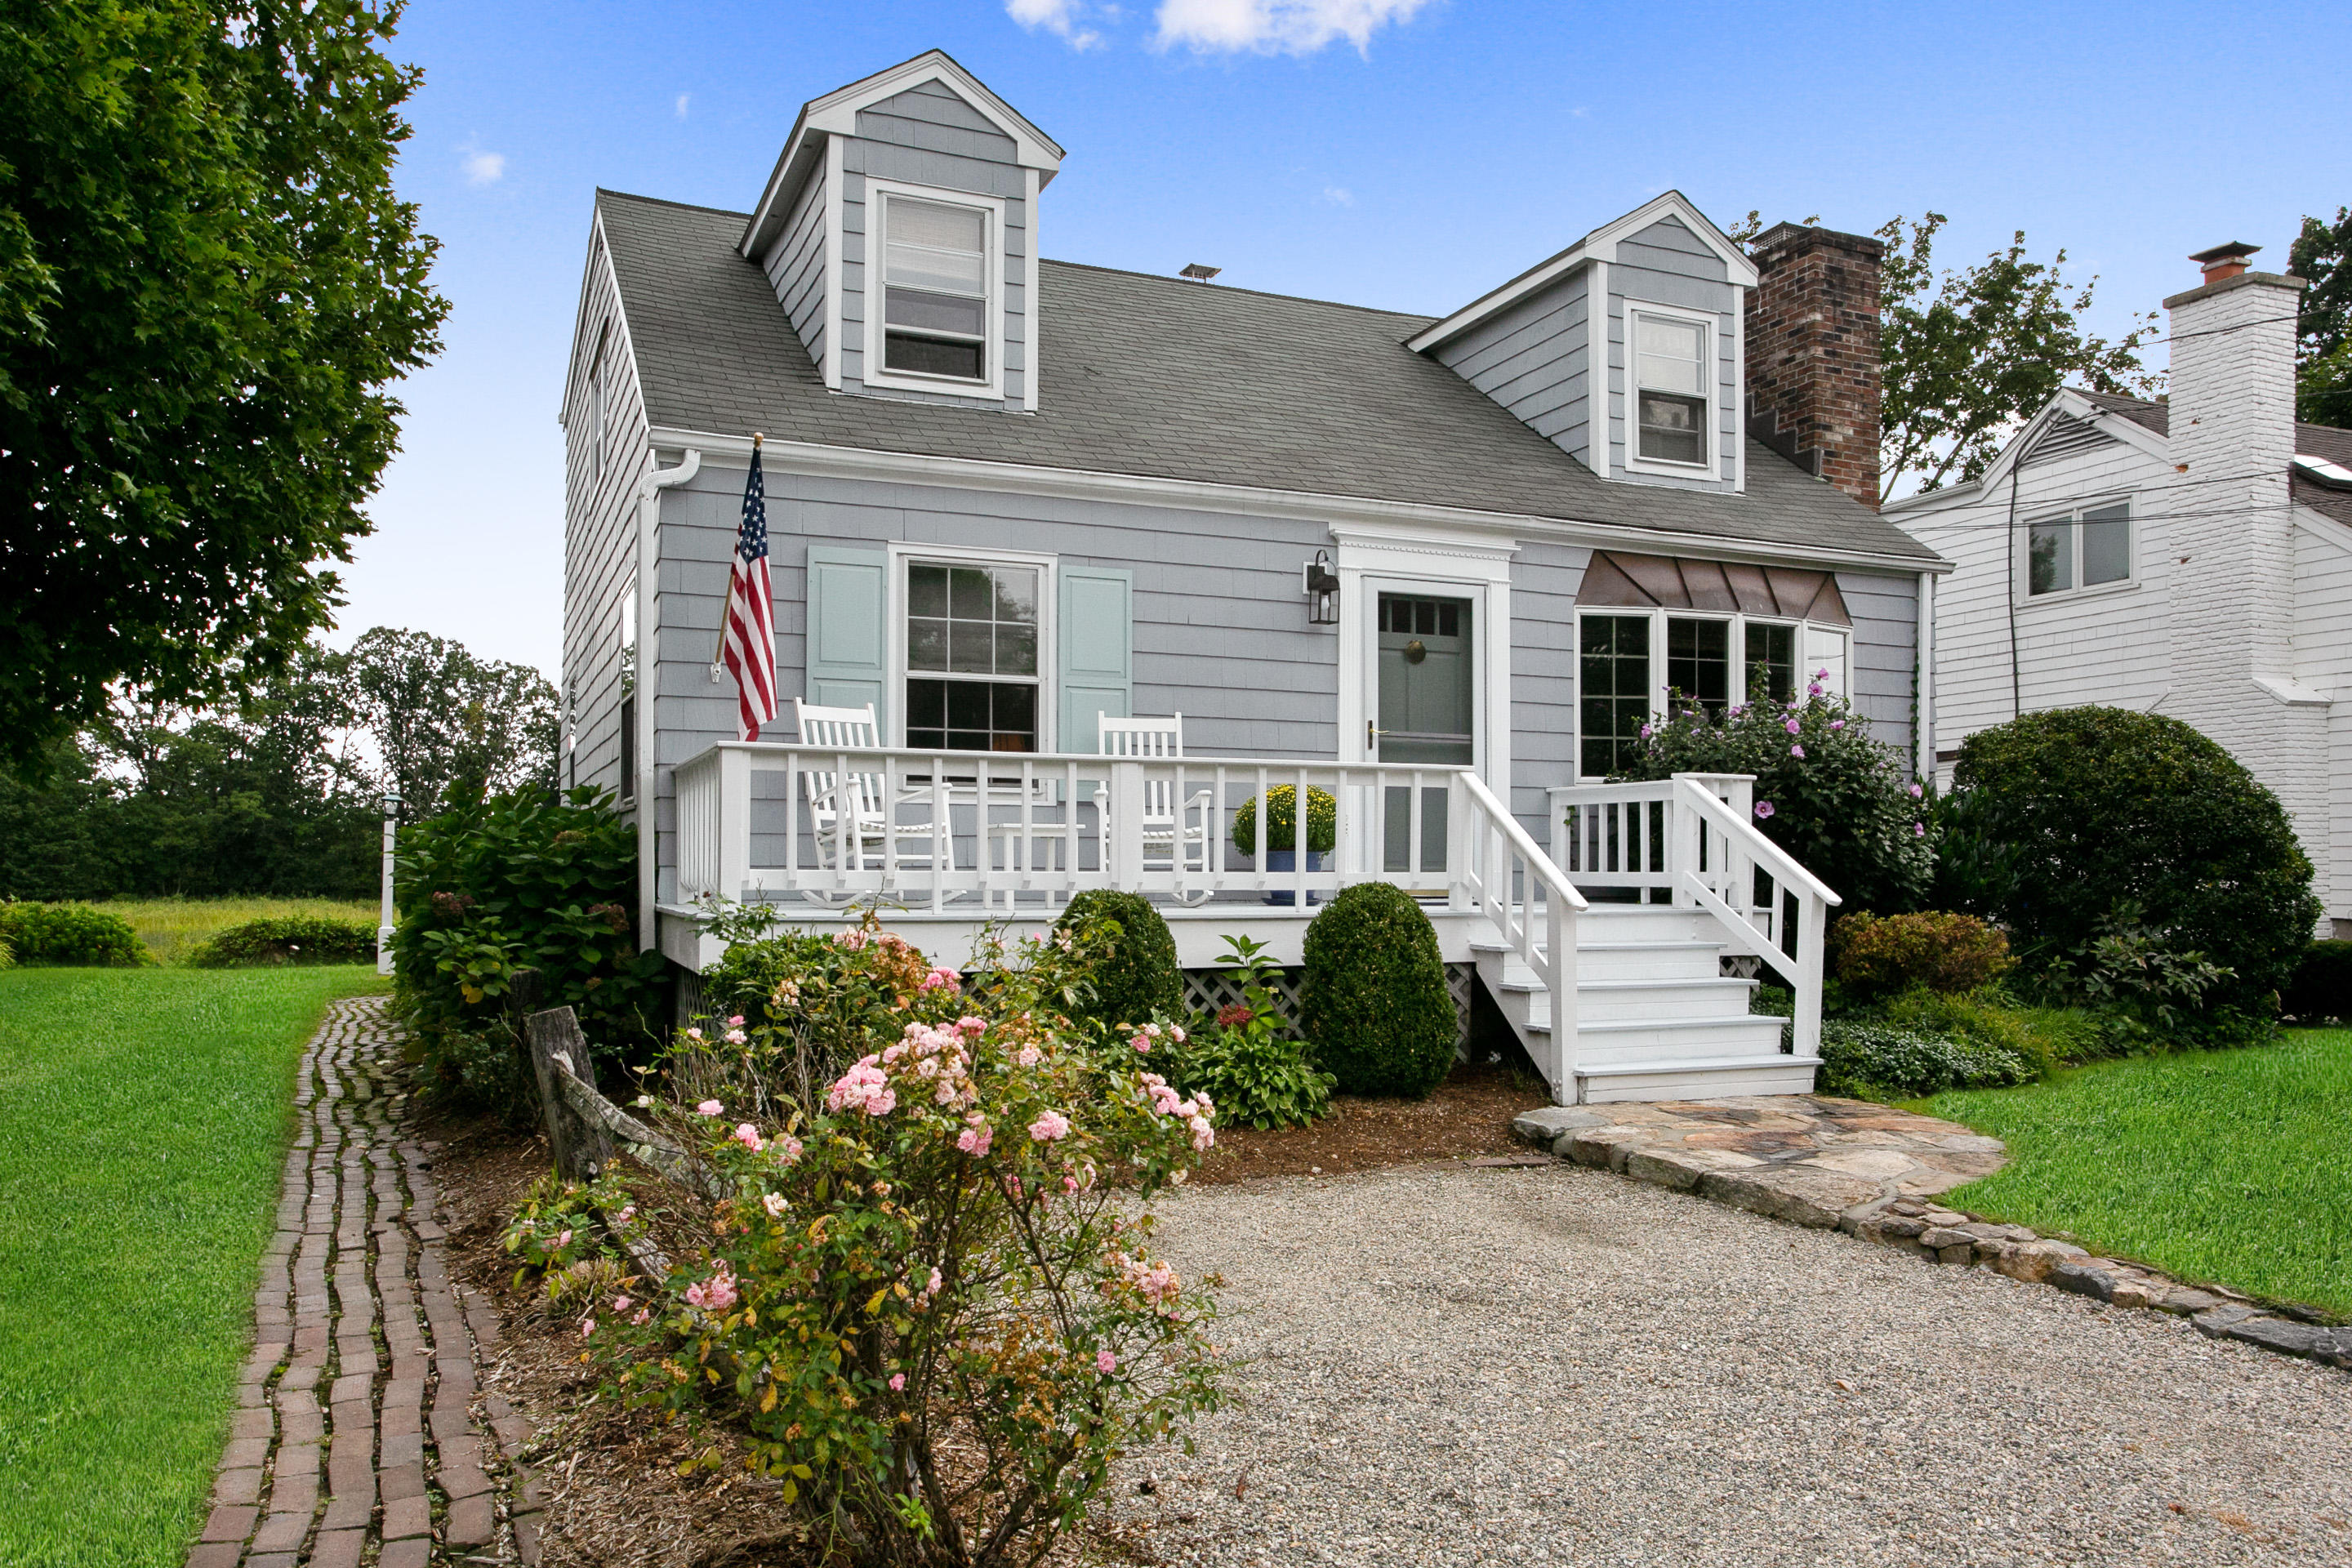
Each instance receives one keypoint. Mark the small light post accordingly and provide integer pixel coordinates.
(384, 918)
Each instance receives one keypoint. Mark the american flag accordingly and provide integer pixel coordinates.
(748, 639)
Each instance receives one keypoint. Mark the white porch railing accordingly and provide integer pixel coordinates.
(1003, 831)
(1692, 840)
(1507, 875)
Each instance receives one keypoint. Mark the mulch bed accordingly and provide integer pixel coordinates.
(612, 1494)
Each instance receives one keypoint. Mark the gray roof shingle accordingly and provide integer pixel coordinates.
(2313, 441)
(1169, 379)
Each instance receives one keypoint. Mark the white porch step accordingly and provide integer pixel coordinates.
(1691, 959)
(1699, 1079)
(1661, 1039)
(1608, 1001)
(1644, 922)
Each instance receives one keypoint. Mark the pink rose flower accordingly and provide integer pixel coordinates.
(974, 1141)
(971, 1026)
(1049, 1126)
(941, 979)
(1106, 1363)
(897, 1383)
(620, 1303)
(775, 1204)
(749, 1136)
(787, 1150)
(563, 1238)
(709, 1107)
(736, 1022)
(587, 1327)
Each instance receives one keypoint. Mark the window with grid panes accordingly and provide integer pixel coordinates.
(1770, 657)
(1614, 692)
(1698, 661)
(972, 657)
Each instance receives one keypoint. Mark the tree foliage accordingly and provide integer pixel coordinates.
(2322, 256)
(1968, 354)
(279, 792)
(206, 288)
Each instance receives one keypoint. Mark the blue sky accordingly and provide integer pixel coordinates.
(1404, 153)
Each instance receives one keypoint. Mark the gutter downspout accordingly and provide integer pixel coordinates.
(649, 490)
(1925, 769)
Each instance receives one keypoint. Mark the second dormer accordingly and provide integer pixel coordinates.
(899, 230)
(1624, 350)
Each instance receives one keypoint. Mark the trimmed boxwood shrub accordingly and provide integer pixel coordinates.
(1952, 953)
(70, 935)
(1139, 976)
(2109, 810)
(1373, 1002)
(2322, 986)
(295, 939)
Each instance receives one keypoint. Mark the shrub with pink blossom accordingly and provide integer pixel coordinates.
(1844, 805)
(929, 1302)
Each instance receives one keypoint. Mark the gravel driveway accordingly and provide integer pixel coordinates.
(1460, 1365)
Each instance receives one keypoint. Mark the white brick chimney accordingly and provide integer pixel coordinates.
(2230, 531)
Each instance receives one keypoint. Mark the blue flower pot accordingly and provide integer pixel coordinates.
(1288, 860)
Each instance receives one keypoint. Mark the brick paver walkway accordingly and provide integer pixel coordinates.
(360, 1431)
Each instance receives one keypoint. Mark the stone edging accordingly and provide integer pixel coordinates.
(1871, 1170)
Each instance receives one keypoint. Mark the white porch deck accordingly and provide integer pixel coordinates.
(1604, 951)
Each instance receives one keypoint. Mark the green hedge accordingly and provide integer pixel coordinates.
(1138, 977)
(2111, 818)
(70, 934)
(295, 940)
(1373, 1002)
(2322, 986)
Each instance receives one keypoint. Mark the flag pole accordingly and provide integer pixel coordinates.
(726, 605)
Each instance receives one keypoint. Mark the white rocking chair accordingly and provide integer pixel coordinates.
(829, 794)
(1177, 838)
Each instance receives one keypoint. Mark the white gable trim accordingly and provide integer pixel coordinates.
(1601, 245)
(1251, 500)
(835, 114)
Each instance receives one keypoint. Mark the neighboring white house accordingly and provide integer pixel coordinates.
(1444, 568)
(2192, 557)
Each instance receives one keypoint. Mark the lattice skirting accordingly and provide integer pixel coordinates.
(1207, 989)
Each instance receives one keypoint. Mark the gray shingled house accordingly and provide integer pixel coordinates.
(1435, 573)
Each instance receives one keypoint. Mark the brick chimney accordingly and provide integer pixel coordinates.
(1813, 352)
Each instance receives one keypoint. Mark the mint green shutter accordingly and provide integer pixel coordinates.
(845, 630)
(1097, 652)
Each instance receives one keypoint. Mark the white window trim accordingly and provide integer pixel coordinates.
(1739, 622)
(993, 260)
(1709, 466)
(894, 611)
(2023, 562)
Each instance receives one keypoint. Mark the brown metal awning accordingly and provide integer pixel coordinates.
(1618, 579)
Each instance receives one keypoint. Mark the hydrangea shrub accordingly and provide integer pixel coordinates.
(1843, 803)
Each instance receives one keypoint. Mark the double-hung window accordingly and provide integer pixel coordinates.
(934, 290)
(1614, 699)
(1633, 665)
(972, 657)
(1670, 384)
(2082, 549)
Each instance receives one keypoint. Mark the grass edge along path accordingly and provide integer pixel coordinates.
(143, 1121)
(2228, 1167)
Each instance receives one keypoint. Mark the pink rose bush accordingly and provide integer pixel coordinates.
(890, 1288)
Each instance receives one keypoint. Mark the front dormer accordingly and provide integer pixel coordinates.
(899, 231)
(1624, 350)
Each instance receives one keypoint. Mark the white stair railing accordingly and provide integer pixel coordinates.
(1691, 838)
(1507, 875)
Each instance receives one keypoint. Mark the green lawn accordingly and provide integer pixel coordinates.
(2232, 1167)
(143, 1122)
(170, 927)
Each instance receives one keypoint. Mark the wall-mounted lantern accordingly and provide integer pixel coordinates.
(1322, 592)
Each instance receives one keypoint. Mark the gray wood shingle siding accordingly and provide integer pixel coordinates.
(1531, 359)
(797, 264)
(600, 553)
(1884, 686)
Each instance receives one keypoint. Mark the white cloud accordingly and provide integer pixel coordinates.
(681, 103)
(1339, 197)
(1059, 17)
(482, 168)
(1273, 27)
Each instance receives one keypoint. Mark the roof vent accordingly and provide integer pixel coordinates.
(2224, 260)
(2335, 476)
(1200, 272)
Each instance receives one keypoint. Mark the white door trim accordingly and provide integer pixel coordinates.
(1438, 564)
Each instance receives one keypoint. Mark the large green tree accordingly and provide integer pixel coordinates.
(448, 728)
(207, 287)
(1970, 354)
(2322, 254)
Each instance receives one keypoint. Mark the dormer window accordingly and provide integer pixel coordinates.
(937, 309)
(1670, 355)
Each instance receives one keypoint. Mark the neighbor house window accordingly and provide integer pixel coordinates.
(934, 290)
(1670, 388)
(1614, 692)
(1698, 662)
(2082, 549)
(972, 657)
